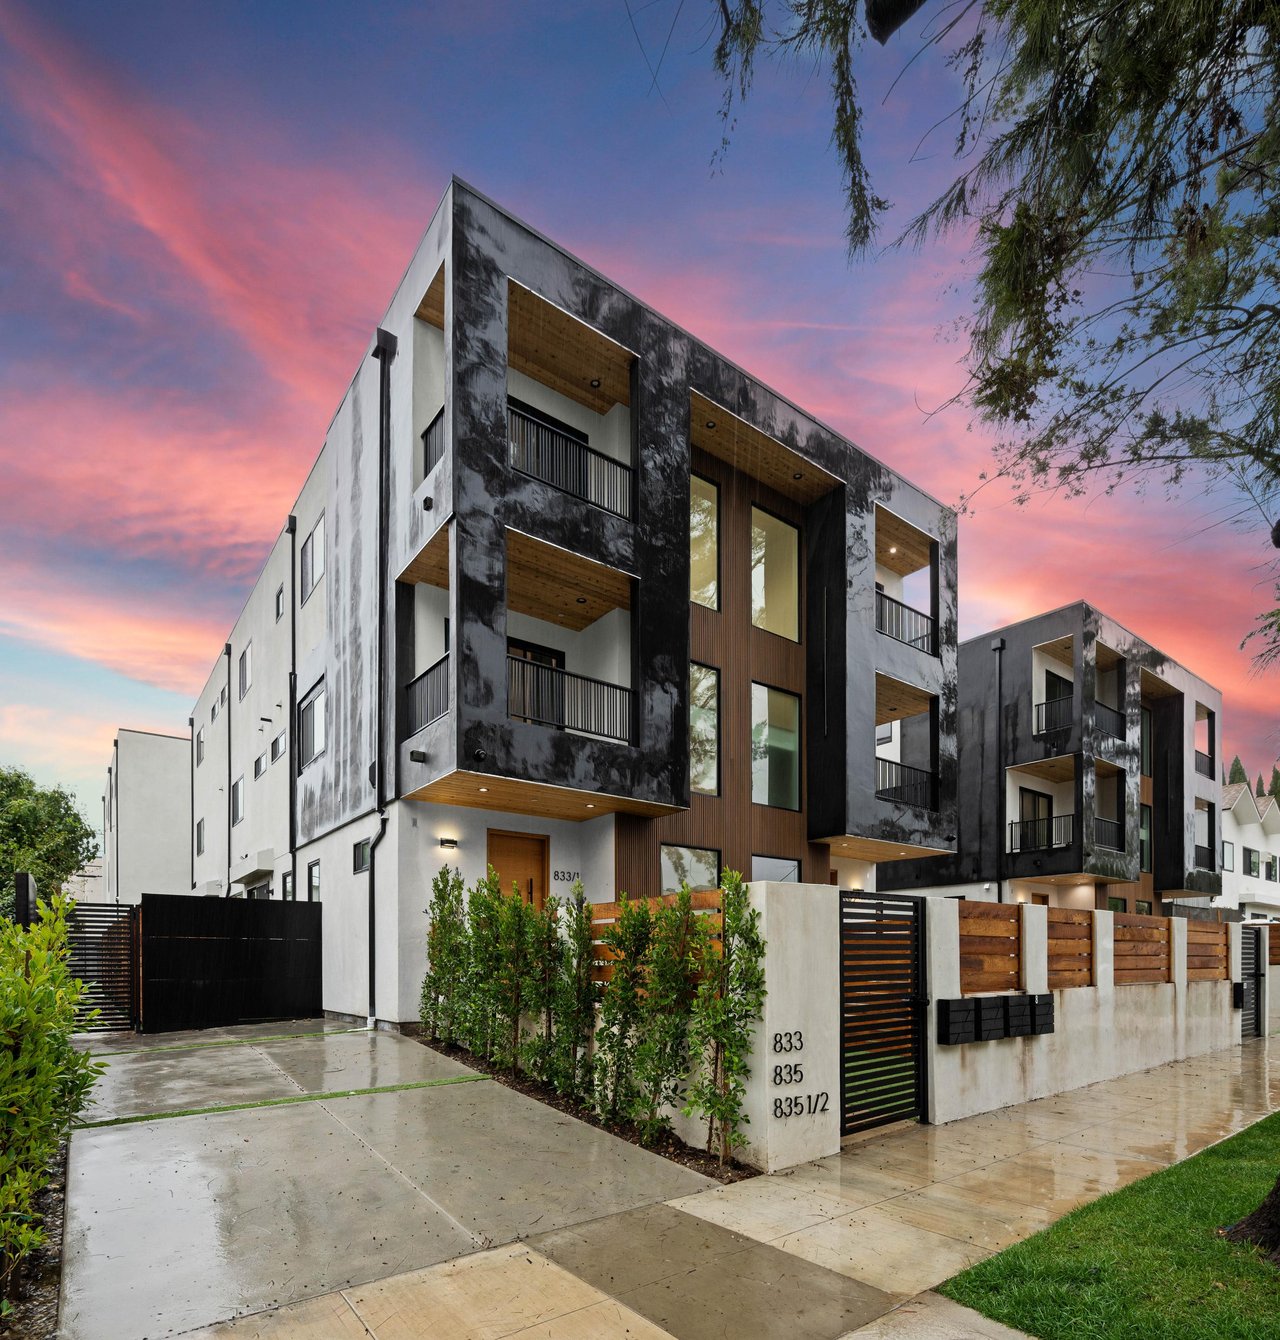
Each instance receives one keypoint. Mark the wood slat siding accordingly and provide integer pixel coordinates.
(1208, 952)
(1273, 943)
(1070, 948)
(1141, 949)
(726, 640)
(603, 915)
(990, 947)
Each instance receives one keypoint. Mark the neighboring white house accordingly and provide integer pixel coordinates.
(88, 884)
(146, 817)
(1250, 852)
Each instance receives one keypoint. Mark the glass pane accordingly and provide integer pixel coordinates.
(704, 729)
(695, 866)
(704, 543)
(775, 575)
(775, 868)
(775, 748)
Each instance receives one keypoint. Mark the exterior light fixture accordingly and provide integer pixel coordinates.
(711, 423)
(483, 790)
(797, 475)
(595, 383)
(582, 600)
(893, 548)
(590, 806)
(417, 755)
(450, 844)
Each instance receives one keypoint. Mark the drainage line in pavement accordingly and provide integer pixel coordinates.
(276, 1102)
(229, 1042)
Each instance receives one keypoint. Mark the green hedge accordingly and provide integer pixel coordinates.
(44, 1081)
(671, 1029)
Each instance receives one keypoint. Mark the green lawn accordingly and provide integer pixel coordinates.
(1145, 1263)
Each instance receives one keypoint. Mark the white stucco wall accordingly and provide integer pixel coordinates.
(146, 849)
(609, 434)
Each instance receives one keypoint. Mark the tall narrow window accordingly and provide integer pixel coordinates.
(313, 882)
(199, 837)
(1229, 857)
(1144, 839)
(286, 886)
(311, 726)
(312, 561)
(704, 543)
(279, 602)
(277, 747)
(704, 730)
(1145, 740)
(199, 746)
(246, 669)
(237, 801)
(775, 748)
(775, 575)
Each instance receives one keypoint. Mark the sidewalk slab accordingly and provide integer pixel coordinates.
(930, 1316)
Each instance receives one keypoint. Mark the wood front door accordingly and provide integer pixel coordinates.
(520, 859)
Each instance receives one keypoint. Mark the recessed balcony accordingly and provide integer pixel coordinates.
(904, 624)
(1110, 721)
(564, 460)
(905, 785)
(1048, 834)
(1054, 717)
(546, 695)
(1108, 833)
(427, 697)
(1204, 764)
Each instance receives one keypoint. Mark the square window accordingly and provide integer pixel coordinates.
(1117, 904)
(775, 575)
(704, 729)
(1144, 907)
(704, 543)
(775, 748)
(698, 867)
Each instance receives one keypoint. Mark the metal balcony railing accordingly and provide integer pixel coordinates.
(427, 697)
(1110, 722)
(1204, 764)
(562, 461)
(904, 784)
(1204, 858)
(1108, 833)
(905, 624)
(1053, 716)
(433, 444)
(549, 696)
(1042, 834)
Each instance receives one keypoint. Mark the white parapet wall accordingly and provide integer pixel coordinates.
(1100, 1031)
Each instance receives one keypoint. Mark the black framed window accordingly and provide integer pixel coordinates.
(775, 747)
(311, 726)
(1145, 740)
(277, 747)
(199, 746)
(246, 669)
(1143, 907)
(704, 542)
(286, 886)
(312, 559)
(313, 882)
(199, 837)
(279, 602)
(698, 867)
(1117, 904)
(1144, 839)
(1252, 863)
(360, 857)
(704, 729)
(775, 575)
(237, 801)
(259, 765)
(1228, 856)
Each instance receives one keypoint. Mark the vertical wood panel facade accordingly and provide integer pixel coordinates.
(726, 640)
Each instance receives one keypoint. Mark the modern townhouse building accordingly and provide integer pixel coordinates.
(569, 594)
(146, 817)
(1088, 772)
(1250, 852)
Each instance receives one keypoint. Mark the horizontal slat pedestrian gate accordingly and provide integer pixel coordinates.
(1251, 970)
(882, 1010)
(101, 953)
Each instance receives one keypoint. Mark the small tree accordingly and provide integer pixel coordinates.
(42, 833)
(727, 1008)
(1237, 773)
(1274, 788)
(443, 985)
(1259, 790)
(511, 986)
(574, 1009)
(626, 942)
(484, 960)
(677, 950)
(547, 967)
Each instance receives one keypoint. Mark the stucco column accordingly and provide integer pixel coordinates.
(1035, 949)
(1104, 954)
(942, 963)
(1178, 972)
(1235, 961)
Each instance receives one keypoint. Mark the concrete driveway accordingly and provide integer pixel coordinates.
(234, 1171)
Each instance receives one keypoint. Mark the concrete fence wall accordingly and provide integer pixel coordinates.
(1100, 1031)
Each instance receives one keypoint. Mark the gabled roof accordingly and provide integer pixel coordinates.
(1232, 792)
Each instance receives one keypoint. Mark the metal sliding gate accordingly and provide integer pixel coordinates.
(1251, 970)
(102, 953)
(882, 1010)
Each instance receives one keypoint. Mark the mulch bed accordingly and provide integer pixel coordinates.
(668, 1145)
(37, 1280)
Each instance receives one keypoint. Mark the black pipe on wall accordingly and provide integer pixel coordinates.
(226, 654)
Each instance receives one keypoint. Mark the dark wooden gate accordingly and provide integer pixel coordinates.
(209, 962)
(1251, 969)
(101, 953)
(882, 1010)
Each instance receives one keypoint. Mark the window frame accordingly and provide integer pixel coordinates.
(199, 746)
(286, 887)
(283, 749)
(715, 671)
(317, 690)
(1252, 863)
(799, 700)
(237, 801)
(715, 489)
(244, 670)
(1112, 900)
(313, 880)
(260, 765)
(308, 577)
(1228, 856)
(199, 837)
(684, 846)
(1140, 903)
(361, 857)
(764, 856)
(279, 602)
(791, 525)
(1146, 754)
(1146, 850)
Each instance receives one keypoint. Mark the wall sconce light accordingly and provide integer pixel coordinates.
(449, 844)
(417, 755)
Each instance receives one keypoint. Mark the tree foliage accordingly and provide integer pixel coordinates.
(1237, 773)
(442, 987)
(1115, 164)
(41, 832)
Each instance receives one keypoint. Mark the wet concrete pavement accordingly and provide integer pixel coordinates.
(194, 1219)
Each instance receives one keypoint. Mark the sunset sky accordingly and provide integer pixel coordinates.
(204, 210)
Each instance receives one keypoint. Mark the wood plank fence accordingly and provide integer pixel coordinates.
(1070, 947)
(603, 915)
(1142, 951)
(1208, 952)
(1273, 943)
(990, 947)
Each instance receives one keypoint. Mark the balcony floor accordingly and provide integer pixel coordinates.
(516, 796)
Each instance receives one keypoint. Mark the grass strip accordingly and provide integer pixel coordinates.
(1145, 1262)
(277, 1102)
(230, 1042)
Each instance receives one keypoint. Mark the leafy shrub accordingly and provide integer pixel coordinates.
(484, 964)
(546, 969)
(511, 983)
(728, 1005)
(44, 1081)
(576, 996)
(627, 942)
(443, 987)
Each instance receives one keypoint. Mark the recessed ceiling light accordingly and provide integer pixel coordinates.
(711, 423)
(483, 789)
(590, 806)
(893, 548)
(595, 383)
(797, 475)
(582, 600)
